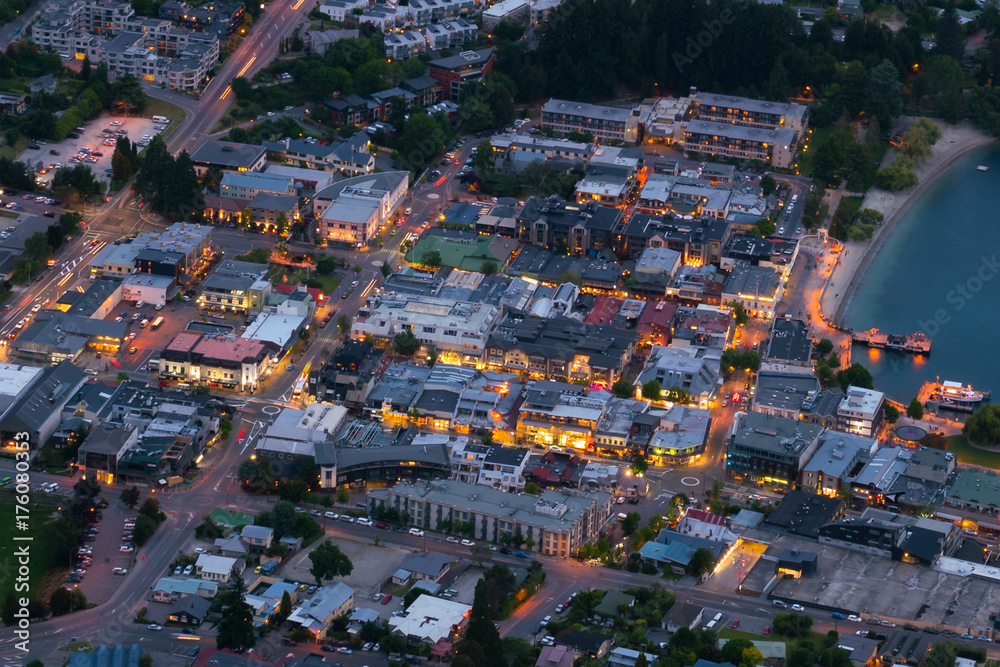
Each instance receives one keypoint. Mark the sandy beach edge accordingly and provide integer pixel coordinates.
(928, 172)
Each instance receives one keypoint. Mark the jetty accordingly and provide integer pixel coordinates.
(917, 343)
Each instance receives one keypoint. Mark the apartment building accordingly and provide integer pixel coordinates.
(501, 468)
(452, 34)
(248, 185)
(151, 49)
(449, 325)
(349, 212)
(514, 11)
(226, 361)
(237, 287)
(724, 141)
(559, 414)
(423, 12)
(700, 242)
(770, 450)
(561, 348)
(557, 523)
(749, 112)
(604, 123)
(568, 227)
(403, 45)
(228, 156)
(455, 71)
(759, 289)
(862, 411)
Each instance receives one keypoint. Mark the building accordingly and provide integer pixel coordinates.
(515, 11)
(700, 241)
(757, 289)
(236, 363)
(561, 348)
(565, 227)
(790, 343)
(862, 411)
(459, 330)
(680, 438)
(558, 523)
(100, 299)
(426, 566)
(257, 537)
(557, 414)
(839, 458)
(723, 141)
(603, 123)
(54, 336)
(805, 514)
(430, 620)
(613, 433)
(749, 112)
(316, 614)
(455, 71)
(403, 45)
(189, 611)
(350, 212)
(236, 286)
(246, 185)
(168, 589)
(556, 656)
(104, 655)
(783, 394)
(592, 644)
(228, 156)
(217, 568)
(149, 288)
(452, 34)
(32, 402)
(695, 370)
(499, 467)
(682, 615)
(770, 450)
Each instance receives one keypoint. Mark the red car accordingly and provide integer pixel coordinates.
(387, 598)
(735, 623)
(383, 526)
(322, 325)
(767, 630)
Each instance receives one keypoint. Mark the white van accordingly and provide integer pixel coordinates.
(140, 304)
(144, 323)
(160, 119)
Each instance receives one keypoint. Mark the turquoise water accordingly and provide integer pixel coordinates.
(939, 273)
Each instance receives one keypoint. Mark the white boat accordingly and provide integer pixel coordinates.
(955, 392)
(983, 167)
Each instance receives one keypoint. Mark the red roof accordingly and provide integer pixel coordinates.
(707, 517)
(604, 310)
(656, 314)
(315, 292)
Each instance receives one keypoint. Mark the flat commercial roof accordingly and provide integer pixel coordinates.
(582, 109)
(229, 349)
(740, 132)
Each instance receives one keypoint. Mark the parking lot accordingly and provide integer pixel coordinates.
(875, 585)
(50, 155)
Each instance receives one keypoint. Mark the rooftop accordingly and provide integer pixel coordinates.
(790, 341)
(228, 154)
(804, 513)
(592, 111)
(775, 434)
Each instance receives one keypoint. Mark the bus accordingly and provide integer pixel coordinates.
(157, 323)
(300, 384)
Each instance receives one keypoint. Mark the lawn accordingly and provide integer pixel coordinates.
(329, 284)
(973, 455)
(39, 564)
(176, 115)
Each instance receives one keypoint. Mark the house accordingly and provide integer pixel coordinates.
(228, 156)
(318, 612)
(190, 611)
(682, 615)
(217, 568)
(426, 565)
(556, 656)
(611, 602)
(257, 537)
(231, 546)
(169, 589)
(43, 84)
(626, 657)
(12, 104)
(590, 644)
(430, 620)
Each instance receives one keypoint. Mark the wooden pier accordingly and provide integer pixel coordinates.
(917, 343)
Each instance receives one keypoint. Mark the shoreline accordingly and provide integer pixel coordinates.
(956, 142)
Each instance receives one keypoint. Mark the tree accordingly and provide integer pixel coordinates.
(283, 519)
(732, 652)
(406, 343)
(431, 259)
(768, 185)
(344, 324)
(328, 561)
(64, 601)
(151, 508)
(130, 496)
(652, 391)
(856, 375)
(792, 625)
(915, 410)
(482, 639)
(489, 268)
(833, 361)
(385, 269)
(640, 660)
(622, 388)
(934, 441)
(531, 489)
(983, 427)
(631, 522)
(891, 413)
(639, 465)
(677, 395)
(121, 166)
(824, 347)
(285, 608)
(481, 553)
(739, 312)
(432, 357)
(144, 529)
(342, 495)
(235, 628)
(701, 561)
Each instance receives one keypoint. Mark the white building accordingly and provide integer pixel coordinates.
(757, 288)
(861, 411)
(430, 619)
(516, 11)
(338, 10)
(350, 211)
(247, 185)
(217, 568)
(406, 44)
(148, 287)
(446, 324)
(450, 34)
(499, 467)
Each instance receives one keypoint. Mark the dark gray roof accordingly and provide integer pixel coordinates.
(193, 605)
(425, 562)
(271, 202)
(351, 457)
(438, 400)
(786, 391)
(227, 153)
(49, 394)
(107, 656)
(463, 59)
(789, 341)
(804, 513)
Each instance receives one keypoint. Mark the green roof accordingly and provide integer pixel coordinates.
(225, 517)
(467, 254)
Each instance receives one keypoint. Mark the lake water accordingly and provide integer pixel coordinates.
(939, 273)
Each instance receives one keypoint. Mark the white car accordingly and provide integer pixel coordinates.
(344, 650)
(417, 532)
(200, 550)
(453, 540)
(37, 307)
(119, 570)
(468, 543)
(332, 515)
(853, 618)
(798, 607)
(154, 626)
(126, 548)
(366, 522)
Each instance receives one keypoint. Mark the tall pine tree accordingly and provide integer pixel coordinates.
(236, 626)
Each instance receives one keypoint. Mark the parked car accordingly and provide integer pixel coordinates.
(453, 540)
(522, 554)
(468, 543)
(345, 650)
(798, 607)
(417, 532)
(387, 599)
(854, 618)
(154, 626)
